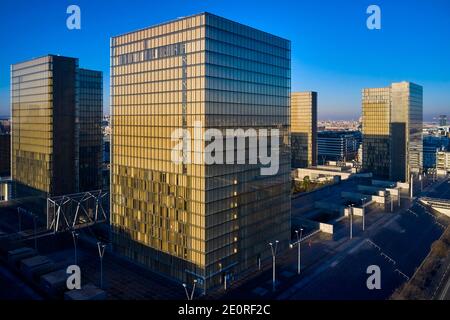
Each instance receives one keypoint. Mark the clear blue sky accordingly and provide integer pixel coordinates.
(332, 50)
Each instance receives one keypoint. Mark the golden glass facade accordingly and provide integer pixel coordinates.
(392, 131)
(197, 221)
(304, 129)
(45, 107)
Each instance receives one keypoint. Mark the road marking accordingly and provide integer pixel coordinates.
(440, 283)
(402, 274)
(334, 264)
(444, 292)
(415, 214)
(356, 248)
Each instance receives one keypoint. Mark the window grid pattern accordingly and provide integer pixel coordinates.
(210, 218)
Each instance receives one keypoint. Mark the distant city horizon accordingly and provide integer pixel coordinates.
(426, 119)
(225, 151)
(337, 62)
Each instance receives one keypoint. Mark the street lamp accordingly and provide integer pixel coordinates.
(191, 296)
(363, 200)
(101, 252)
(299, 239)
(75, 237)
(274, 253)
(350, 214)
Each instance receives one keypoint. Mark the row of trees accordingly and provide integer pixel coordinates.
(301, 186)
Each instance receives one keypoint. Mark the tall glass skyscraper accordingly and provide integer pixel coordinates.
(392, 131)
(46, 122)
(304, 129)
(90, 136)
(189, 220)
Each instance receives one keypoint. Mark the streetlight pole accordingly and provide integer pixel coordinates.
(193, 289)
(350, 213)
(101, 252)
(225, 282)
(274, 253)
(190, 296)
(363, 213)
(75, 237)
(299, 239)
(185, 290)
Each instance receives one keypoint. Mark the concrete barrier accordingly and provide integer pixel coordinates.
(403, 185)
(393, 192)
(359, 212)
(326, 227)
(379, 199)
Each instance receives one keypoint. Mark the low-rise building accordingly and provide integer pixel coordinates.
(338, 145)
(443, 162)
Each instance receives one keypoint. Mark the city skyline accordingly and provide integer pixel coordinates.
(333, 52)
(212, 174)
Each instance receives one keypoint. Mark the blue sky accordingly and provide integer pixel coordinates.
(333, 52)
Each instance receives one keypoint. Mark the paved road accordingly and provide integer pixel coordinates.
(335, 268)
(397, 246)
(344, 276)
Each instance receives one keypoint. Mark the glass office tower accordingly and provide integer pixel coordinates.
(304, 129)
(197, 221)
(392, 131)
(45, 107)
(91, 136)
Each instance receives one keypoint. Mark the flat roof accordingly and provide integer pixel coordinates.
(195, 15)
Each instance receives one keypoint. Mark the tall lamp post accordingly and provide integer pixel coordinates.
(350, 214)
(363, 213)
(299, 239)
(273, 249)
(190, 296)
(75, 238)
(101, 252)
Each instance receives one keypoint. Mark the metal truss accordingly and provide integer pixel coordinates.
(75, 211)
